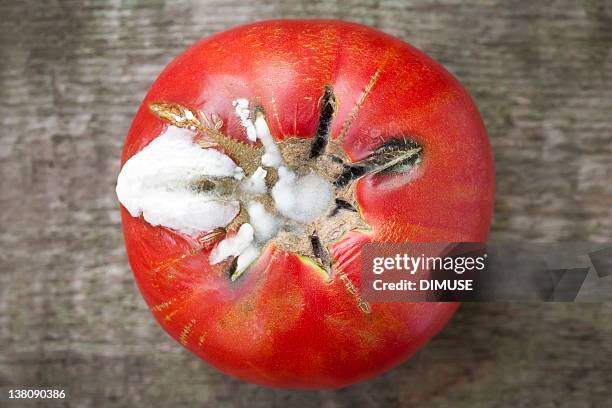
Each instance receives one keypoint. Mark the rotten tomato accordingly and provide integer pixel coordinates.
(260, 162)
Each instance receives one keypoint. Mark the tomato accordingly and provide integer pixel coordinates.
(406, 158)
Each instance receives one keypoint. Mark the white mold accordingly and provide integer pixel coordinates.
(301, 199)
(241, 107)
(156, 182)
(264, 223)
(234, 245)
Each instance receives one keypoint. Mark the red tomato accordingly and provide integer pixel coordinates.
(287, 321)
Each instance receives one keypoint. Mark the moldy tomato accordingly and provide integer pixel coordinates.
(258, 164)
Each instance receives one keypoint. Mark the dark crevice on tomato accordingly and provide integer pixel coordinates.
(232, 268)
(320, 252)
(342, 205)
(328, 110)
(349, 174)
(397, 155)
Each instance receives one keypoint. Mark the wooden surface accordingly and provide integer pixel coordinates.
(72, 75)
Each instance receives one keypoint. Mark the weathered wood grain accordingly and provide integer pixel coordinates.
(72, 74)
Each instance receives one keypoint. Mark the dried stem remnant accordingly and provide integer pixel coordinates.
(246, 156)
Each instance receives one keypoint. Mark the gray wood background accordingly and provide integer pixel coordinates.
(72, 75)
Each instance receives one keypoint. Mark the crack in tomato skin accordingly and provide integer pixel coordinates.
(260, 327)
(367, 90)
(328, 106)
(186, 331)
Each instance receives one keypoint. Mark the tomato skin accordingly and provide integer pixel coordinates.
(284, 323)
